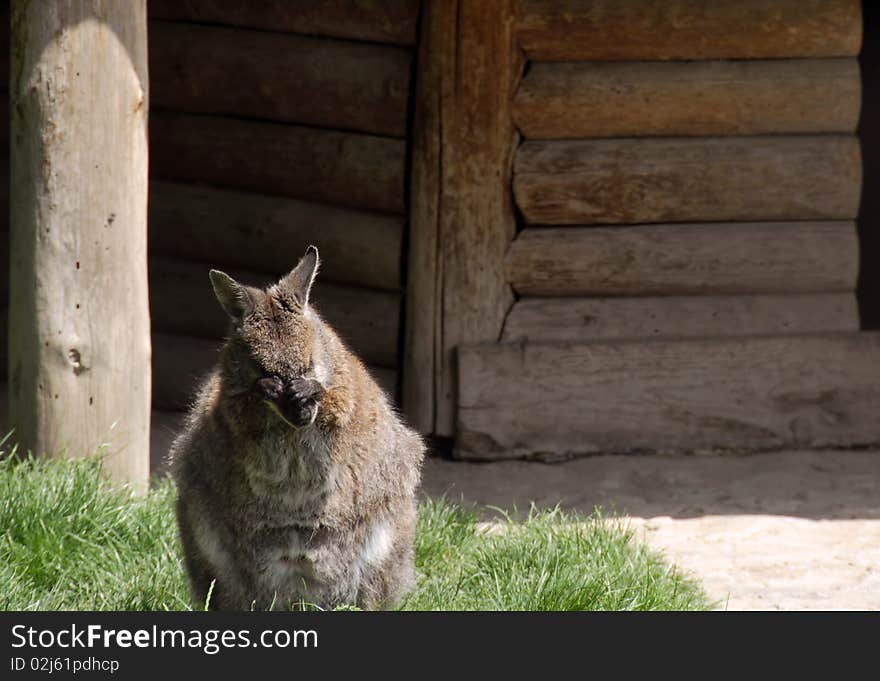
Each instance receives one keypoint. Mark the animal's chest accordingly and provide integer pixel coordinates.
(287, 480)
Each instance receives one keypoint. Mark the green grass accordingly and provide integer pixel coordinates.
(68, 540)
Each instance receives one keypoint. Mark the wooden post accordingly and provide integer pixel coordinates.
(462, 219)
(79, 365)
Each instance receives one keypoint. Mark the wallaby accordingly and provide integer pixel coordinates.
(295, 477)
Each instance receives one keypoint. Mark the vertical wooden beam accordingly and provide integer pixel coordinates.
(462, 218)
(79, 355)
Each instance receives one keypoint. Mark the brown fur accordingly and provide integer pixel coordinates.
(296, 479)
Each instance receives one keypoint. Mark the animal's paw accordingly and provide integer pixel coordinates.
(270, 387)
(304, 390)
(302, 397)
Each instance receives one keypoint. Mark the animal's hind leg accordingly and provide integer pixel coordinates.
(386, 586)
(202, 579)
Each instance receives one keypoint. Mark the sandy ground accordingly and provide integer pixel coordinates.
(787, 530)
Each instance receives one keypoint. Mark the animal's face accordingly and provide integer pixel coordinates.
(268, 366)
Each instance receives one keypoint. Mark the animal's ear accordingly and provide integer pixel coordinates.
(232, 296)
(298, 283)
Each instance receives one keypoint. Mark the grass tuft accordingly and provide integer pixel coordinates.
(69, 540)
(552, 560)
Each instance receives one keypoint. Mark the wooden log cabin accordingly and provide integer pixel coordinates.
(550, 227)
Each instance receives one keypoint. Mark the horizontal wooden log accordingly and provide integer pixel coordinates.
(562, 399)
(181, 363)
(182, 301)
(593, 319)
(270, 233)
(290, 78)
(716, 258)
(349, 169)
(620, 30)
(689, 180)
(621, 99)
(382, 21)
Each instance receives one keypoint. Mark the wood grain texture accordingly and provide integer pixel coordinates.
(620, 30)
(382, 21)
(79, 317)
(228, 228)
(593, 319)
(716, 258)
(181, 363)
(633, 99)
(182, 301)
(289, 78)
(348, 169)
(463, 221)
(423, 316)
(661, 396)
(616, 181)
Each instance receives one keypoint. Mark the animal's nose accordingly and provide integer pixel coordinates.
(270, 387)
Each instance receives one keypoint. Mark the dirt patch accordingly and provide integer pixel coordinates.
(788, 530)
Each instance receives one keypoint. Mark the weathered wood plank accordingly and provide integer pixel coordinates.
(593, 319)
(180, 363)
(269, 232)
(383, 21)
(716, 258)
(421, 346)
(349, 169)
(182, 301)
(740, 393)
(619, 30)
(79, 341)
(621, 99)
(680, 180)
(462, 156)
(296, 79)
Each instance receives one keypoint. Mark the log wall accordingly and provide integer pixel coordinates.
(276, 125)
(730, 393)
(687, 184)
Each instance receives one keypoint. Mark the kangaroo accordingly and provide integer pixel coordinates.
(295, 477)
